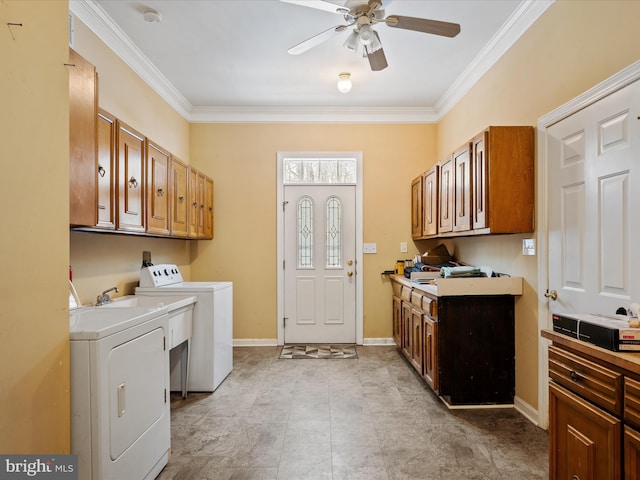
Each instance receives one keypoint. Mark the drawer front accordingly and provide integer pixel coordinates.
(416, 299)
(429, 306)
(397, 288)
(406, 294)
(632, 402)
(596, 383)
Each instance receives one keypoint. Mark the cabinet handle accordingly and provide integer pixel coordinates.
(133, 183)
(101, 170)
(575, 477)
(195, 205)
(161, 192)
(574, 376)
(181, 198)
(211, 209)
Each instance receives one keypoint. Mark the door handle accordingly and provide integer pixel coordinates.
(553, 295)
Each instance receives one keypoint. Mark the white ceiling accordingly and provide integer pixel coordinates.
(227, 60)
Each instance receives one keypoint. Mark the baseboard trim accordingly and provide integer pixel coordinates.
(378, 341)
(526, 410)
(255, 342)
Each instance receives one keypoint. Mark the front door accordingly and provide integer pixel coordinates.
(320, 263)
(593, 228)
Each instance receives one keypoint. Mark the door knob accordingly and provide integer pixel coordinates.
(349, 274)
(553, 295)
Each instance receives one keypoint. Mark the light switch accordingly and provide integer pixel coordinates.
(528, 246)
(369, 248)
(403, 247)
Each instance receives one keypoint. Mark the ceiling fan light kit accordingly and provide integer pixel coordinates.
(363, 16)
(344, 82)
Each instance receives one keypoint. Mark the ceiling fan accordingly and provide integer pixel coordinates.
(362, 16)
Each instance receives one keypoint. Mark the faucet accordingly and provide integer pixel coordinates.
(104, 297)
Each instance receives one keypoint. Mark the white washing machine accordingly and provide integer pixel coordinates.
(211, 349)
(120, 410)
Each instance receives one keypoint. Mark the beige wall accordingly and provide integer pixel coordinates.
(572, 47)
(242, 161)
(34, 323)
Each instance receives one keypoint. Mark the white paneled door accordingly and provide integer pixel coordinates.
(594, 206)
(320, 263)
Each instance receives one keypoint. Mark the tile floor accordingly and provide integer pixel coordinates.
(369, 418)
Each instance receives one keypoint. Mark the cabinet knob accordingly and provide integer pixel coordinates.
(133, 183)
(195, 205)
(101, 170)
(161, 192)
(181, 198)
(575, 477)
(574, 376)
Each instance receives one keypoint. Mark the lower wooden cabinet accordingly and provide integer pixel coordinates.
(584, 441)
(594, 421)
(463, 347)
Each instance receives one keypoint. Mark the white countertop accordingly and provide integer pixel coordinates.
(449, 287)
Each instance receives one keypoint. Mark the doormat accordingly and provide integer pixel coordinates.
(318, 351)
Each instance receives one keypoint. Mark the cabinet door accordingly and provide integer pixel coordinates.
(584, 441)
(462, 190)
(416, 207)
(445, 214)
(407, 336)
(131, 189)
(480, 177)
(631, 454)
(430, 356)
(83, 171)
(430, 202)
(208, 208)
(397, 321)
(106, 170)
(417, 351)
(157, 190)
(200, 193)
(193, 202)
(178, 198)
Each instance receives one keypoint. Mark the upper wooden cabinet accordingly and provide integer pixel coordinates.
(106, 170)
(179, 207)
(208, 208)
(445, 205)
(485, 187)
(157, 164)
(83, 109)
(131, 179)
(416, 207)
(462, 190)
(430, 202)
(503, 180)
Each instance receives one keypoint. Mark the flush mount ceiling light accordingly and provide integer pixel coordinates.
(151, 16)
(344, 82)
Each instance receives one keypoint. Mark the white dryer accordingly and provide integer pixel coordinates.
(211, 349)
(120, 411)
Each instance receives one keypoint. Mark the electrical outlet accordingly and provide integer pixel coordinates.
(369, 248)
(403, 247)
(528, 246)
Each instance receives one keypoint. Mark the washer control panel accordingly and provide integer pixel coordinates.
(160, 275)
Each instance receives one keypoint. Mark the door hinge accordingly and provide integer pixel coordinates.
(164, 343)
(283, 264)
(284, 321)
(165, 395)
(284, 204)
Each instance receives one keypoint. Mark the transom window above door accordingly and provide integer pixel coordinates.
(314, 171)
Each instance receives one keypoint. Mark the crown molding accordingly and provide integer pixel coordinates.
(98, 21)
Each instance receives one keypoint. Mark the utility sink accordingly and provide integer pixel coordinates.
(92, 323)
(138, 301)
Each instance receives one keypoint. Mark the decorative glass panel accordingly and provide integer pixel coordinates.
(305, 232)
(320, 171)
(334, 232)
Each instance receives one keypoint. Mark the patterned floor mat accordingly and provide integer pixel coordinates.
(318, 351)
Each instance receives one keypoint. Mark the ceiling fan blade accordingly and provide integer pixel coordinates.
(316, 40)
(320, 5)
(423, 25)
(377, 58)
